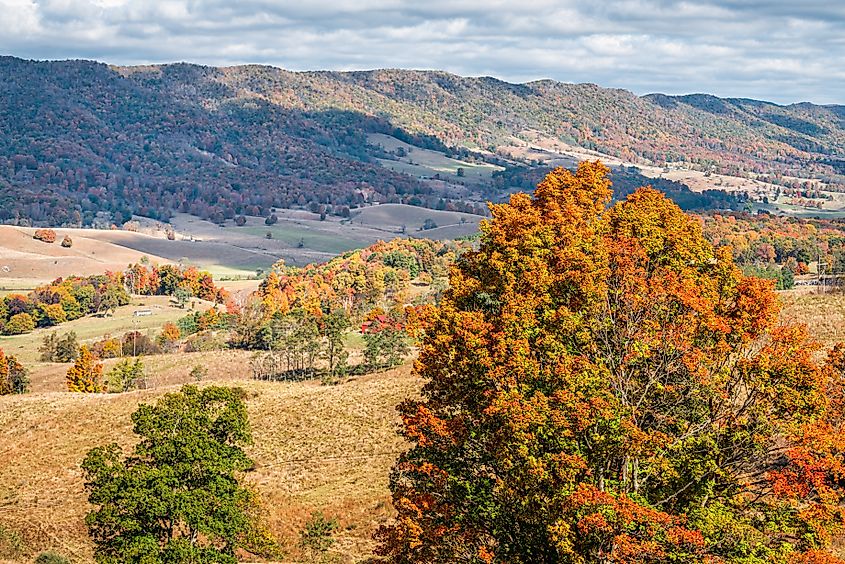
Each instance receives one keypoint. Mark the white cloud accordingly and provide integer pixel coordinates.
(773, 49)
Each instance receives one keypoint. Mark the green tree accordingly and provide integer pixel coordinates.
(125, 375)
(316, 537)
(182, 296)
(179, 496)
(334, 326)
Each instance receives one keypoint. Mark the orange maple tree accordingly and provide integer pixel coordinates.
(602, 385)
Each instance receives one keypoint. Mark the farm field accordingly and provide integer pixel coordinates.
(228, 252)
(426, 163)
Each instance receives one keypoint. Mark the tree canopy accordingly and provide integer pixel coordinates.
(178, 497)
(602, 385)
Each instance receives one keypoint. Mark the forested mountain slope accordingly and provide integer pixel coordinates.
(79, 137)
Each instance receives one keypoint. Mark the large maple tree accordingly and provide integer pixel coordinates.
(602, 385)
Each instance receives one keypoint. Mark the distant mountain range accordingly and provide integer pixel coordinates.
(80, 139)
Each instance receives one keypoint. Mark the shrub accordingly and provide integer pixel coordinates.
(198, 372)
(19, 323)
(46, 235)
(109, 347)
(67, 242)
(14, 378)
(136, 343)
(169, 337)
(316, 539)
(125, 376)
(51, 558)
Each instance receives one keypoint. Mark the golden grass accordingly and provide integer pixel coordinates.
(823, 313)
(316, 447)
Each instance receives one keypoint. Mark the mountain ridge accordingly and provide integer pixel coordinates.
(91, 138)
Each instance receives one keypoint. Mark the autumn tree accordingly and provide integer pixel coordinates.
(14, 378)
(602, 385)
(179, 496)
(86, 375)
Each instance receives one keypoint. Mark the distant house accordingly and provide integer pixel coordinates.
(142, 312)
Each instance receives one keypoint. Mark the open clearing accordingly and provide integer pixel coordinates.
(228, 252)
(425, 163)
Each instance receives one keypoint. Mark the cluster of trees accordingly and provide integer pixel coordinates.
(604, 385)
(794, 244)
(382, 275)
(172, 280)
(74, 297)
(62, 300)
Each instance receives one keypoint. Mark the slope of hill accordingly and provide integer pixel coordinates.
(79, 138)
(326, 448)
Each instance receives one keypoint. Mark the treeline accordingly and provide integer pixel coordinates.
(625, 181)
(763, 239)
(74, 297)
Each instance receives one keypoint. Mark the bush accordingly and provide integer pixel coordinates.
(46, 235)
(86, 375)
(14, 378)
(204, 342)
(67, 242)
(316, 539)
(51, 558)
(198, 372)
(19, 323)
(136, 343)
(109, 347)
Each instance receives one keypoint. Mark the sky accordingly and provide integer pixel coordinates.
(781, 51)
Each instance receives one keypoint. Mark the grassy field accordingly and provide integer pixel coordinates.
(92, 328)
(316, 447)
(426, 163)
(324, 242)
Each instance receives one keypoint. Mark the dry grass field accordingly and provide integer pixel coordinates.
(316, 447)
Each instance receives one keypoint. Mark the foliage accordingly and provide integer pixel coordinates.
(14, 378)
(169, 337)
(59, 349)
(18, 324)
(86, 375)
(135, 343)
(125, 376)
(385, 341)
(198, 372)
(178, 497)
(602, 385)
(51, 558)
(46, 235)
(316, 537)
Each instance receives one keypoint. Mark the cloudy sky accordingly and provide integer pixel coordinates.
(784, 51)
